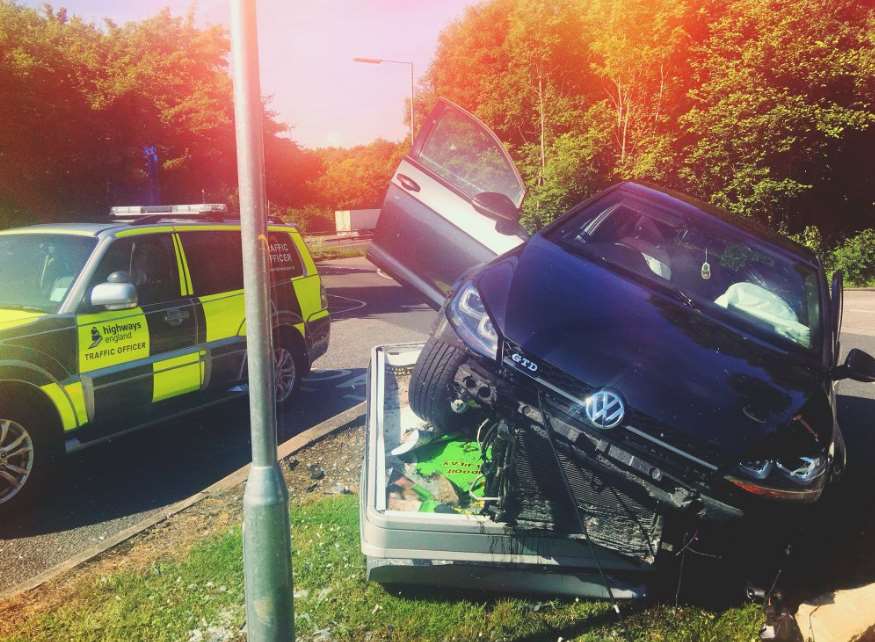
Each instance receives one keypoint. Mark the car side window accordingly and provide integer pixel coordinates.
(285, 262)
(215, 261)
(466, 156)
(150, 263)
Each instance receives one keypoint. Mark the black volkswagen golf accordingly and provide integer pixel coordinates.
(644, 340)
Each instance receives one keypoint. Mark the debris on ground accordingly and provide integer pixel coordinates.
(316, 471)
(839, 616)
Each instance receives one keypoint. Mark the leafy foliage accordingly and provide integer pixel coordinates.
(764, 108)
(85, 106)
(855, 257)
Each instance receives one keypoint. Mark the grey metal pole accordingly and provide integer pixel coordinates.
(267, 546)
(412, 108)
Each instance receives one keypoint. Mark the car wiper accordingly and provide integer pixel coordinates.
(20, 306)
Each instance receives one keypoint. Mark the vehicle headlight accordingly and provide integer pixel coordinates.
(770, 477)
(802, 470)
(757, 468)
(471, 321)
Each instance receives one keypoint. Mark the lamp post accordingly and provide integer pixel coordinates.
(377, 61)
(267, 565)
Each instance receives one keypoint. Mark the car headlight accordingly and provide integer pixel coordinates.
(471, 321)
(770, 477)
(802, 470)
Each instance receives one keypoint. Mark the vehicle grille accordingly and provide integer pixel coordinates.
(540, 499)
(683, 467)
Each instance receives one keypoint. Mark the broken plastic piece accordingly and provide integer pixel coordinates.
(413, 440)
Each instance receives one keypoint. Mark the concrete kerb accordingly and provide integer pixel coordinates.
(289, 447)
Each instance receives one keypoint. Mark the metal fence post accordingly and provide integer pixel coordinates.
(266, 537)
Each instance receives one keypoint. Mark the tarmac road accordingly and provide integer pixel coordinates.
(110, 487)
(113, 486)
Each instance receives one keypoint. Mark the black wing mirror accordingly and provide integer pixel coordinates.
(496, 205)
(858, 365)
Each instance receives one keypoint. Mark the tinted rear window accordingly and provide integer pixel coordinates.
(215, 261)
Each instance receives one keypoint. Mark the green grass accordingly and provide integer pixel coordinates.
(327, 252)
(180, 600)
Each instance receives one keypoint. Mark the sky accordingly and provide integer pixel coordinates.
(306, 51)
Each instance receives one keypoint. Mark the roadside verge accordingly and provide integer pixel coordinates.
(287, 448)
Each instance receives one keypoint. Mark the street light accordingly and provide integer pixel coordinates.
(267, 565)
(377, 61)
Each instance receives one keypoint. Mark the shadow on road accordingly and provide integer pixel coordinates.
(169, 462)
(381, 300)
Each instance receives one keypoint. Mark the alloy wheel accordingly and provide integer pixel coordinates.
(16, 458)
(285, 373)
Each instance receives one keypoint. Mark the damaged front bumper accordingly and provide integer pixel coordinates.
(467, 550)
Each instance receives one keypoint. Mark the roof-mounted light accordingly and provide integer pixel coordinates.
(196, 209)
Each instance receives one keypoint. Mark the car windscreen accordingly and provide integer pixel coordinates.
(37, 270)
(711, 264)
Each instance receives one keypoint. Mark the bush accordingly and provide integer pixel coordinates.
(310, 219)
(855, 257)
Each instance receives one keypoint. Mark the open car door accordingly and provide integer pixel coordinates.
(837, 303)
(452, 204)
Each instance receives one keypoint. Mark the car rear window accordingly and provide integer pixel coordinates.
(708, 262)
(215, 260)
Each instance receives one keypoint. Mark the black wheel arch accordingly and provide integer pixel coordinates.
(27, 394)
(291, 337)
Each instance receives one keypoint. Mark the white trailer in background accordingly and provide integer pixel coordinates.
(355, 221)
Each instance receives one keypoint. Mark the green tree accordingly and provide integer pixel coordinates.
(783, 111)
(354, 178)
(82, 104)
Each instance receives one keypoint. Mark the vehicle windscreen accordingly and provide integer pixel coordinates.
(709, 263)
(37, 270)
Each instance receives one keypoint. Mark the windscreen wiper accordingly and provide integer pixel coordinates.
(19, 306)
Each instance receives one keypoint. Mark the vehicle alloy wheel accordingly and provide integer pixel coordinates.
(16, 458)
(285, 374)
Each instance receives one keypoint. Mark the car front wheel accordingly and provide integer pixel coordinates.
(431, 385)
(27, 454)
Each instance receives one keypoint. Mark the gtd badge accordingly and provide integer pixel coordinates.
(525, 363)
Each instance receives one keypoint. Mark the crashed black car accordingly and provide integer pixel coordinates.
(644, 342)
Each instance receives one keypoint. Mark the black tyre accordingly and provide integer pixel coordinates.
(30, 448)
(289, 367)
(431, 386)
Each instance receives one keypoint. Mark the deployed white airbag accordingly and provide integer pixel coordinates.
(767, 306)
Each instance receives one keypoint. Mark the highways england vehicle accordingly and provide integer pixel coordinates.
(109, 327)
(645, 368)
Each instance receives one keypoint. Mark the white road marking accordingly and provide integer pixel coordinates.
(358, 304)
(384, 275)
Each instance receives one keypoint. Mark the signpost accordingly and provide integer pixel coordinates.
(266, 538)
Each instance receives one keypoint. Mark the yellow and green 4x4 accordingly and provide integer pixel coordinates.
(106, 328)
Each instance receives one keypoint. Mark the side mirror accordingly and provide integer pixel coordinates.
(498, 206)
(858, 365)
(118, 293)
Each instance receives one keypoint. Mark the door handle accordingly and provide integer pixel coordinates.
(176, 316)
(408, 183)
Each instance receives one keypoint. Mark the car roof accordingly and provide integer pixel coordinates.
(77, 229)
(97, 229)
(697, 207)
